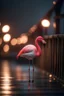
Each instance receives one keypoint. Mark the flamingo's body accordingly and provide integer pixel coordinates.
(31, 51)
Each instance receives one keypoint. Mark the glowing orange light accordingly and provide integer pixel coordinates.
(18, 40)
(24, 39)
(32, 29)
(54, 78)
(45, 23)
(13, 41)
(50, 75)
(7, 37)
(50, 80)
(0, 41)
(6, 48)
(54, 2)
(5, 28)
(54, 25)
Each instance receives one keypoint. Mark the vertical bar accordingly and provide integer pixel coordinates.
(61, 56)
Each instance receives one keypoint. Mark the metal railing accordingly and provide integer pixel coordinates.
(52, 58)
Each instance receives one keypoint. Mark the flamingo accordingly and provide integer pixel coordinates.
(31, 51)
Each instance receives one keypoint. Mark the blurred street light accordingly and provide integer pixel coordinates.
(6, 37)
(50, 76)
(18, 41)
(54, 2)
(54, 24)
(6, 48)
(5, 28)
(13, 41)
(24, 38)
(32, 29)
(45, 23)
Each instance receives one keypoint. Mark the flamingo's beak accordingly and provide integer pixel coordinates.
(43, 41)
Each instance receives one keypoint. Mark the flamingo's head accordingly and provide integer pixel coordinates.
(40, 38)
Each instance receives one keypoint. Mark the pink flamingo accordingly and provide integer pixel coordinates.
(30, 51)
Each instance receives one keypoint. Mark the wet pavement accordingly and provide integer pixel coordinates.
(14, 79)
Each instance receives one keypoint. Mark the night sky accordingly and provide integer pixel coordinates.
(23, 14)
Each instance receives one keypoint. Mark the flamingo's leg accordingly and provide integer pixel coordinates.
(29, 70)
(33, 71)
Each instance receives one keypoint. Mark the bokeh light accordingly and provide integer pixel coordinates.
(13, 41)
(0, 41)
(33, 29)
(18, 40)
(6, 37)
(54, 25)
(50, 80)
(5, 28)
(54, 2)
(45, 23)
(6, 48)
(54, 78)
(24, 39)
(50, 76)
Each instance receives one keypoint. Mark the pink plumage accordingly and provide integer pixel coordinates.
(30, 51)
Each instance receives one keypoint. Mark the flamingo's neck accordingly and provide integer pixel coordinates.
(38, 48)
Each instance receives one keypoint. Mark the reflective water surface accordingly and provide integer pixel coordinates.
(14, 79)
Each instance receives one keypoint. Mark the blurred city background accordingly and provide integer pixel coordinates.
(24, 21)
